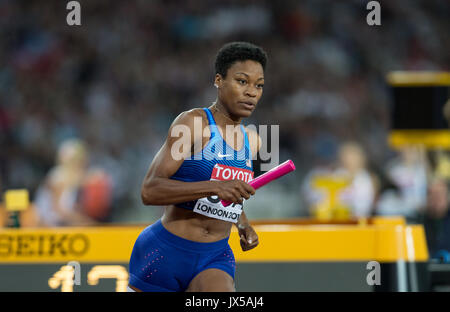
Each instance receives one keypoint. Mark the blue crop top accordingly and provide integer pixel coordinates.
(200, 166)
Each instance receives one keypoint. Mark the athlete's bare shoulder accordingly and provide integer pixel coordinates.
(189, 120)
(188, 117)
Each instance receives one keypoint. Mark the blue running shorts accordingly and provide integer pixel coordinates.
(161, 261)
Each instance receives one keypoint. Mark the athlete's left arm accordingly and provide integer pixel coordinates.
(249, 238)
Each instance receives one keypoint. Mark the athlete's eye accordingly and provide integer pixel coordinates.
(241, 81)
(260, 86)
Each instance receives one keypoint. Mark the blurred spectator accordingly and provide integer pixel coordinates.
(71, 194)
(344, 190)
(96, 195)
(436, 218)
(446, 111)
(440, 158)
(360, 194)
(409, 173)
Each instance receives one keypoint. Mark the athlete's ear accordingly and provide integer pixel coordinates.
(218, 79)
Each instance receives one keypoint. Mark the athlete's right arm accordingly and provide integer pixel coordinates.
(182, 140)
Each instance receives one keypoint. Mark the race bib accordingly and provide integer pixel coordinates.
(211, 206)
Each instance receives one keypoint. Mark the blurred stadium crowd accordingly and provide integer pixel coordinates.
(117, 81)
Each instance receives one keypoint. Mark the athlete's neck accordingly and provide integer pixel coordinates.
(223, 112)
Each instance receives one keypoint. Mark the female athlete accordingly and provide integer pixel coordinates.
(201, 162)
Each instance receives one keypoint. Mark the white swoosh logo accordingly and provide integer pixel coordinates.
(220, 155)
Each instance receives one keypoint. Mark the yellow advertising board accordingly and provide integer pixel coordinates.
(379, 241)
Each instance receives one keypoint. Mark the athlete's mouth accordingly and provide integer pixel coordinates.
(247, 104)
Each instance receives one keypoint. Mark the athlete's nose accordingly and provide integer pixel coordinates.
(251, 91)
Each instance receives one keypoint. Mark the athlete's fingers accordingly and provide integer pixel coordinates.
(249, 246)
(245, 191)
(244, 243)
(237, 197)
(252, 190)
(253, 240)
(251, 235)
(245, 194)
(248, 188)
(250, 239)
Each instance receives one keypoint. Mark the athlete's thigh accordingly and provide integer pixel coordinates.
(212, 280)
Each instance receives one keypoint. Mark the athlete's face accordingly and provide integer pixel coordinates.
(242, 88)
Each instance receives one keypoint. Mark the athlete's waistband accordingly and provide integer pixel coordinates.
(161, 233)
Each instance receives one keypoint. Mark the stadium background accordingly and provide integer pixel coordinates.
(118, 80)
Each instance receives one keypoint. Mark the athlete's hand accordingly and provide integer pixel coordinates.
(249, 238)
(234, 190)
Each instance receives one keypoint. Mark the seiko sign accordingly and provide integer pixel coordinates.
(26, 245)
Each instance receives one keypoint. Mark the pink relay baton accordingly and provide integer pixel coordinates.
(269, 176)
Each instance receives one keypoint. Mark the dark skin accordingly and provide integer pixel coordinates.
(238, 94)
